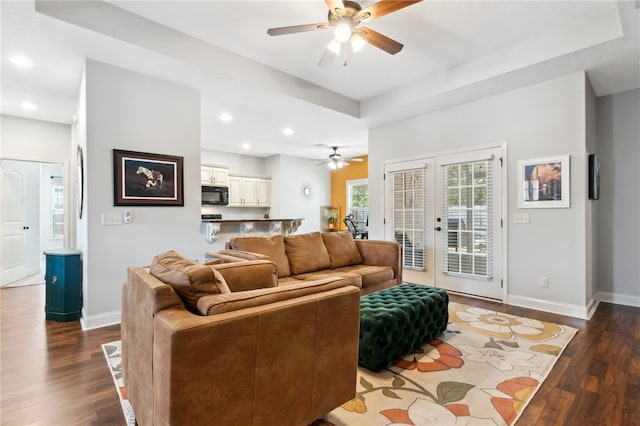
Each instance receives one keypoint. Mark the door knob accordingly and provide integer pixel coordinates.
(437, 228)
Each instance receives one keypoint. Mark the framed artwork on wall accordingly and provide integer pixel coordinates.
(544, 183)
(144, 179)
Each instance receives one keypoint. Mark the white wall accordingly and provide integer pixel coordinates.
(618, 209)
(288, 175)
(34, 140)
(238, 165)
(130, 111)
(542, 120)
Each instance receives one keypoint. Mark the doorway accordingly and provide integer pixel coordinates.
(31, 218)
(446, 211)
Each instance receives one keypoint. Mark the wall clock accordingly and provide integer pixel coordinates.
(80, 177)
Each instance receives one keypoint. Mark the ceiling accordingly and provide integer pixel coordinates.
(454, 52)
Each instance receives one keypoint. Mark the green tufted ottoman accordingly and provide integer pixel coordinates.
(397, 320)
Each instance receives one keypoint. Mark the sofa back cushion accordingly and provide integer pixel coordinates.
(269, 246)
(342, 249)
(248, 274)
(306, 253)
(189, 279)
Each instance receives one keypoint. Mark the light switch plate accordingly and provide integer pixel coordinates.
(111, 219)
(521, 218)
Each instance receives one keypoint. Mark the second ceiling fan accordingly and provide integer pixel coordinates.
(344, 17)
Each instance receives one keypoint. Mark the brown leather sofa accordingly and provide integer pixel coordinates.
(370, 265)
(223, 344)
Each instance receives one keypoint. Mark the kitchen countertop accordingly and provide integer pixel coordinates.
(249, 220)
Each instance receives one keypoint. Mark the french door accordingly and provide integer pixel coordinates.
(446, 211)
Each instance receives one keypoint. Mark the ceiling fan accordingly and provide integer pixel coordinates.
(344, 18)
(336, 161)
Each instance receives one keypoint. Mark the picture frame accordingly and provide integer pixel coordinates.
(594, 177)
(146, 179)
(544, 182)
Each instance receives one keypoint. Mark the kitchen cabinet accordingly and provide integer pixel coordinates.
(214, 176)
(249, 192)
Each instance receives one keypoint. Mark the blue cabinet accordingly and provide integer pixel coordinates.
(63, 280)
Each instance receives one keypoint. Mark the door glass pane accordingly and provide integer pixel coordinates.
(467, 191)
(409, 215)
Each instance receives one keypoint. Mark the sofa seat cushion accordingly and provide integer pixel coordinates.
(190, 280)
(371, 275)
(221, 303)
(269, 246)
(351, 278)
(342, 249)
(306, 253)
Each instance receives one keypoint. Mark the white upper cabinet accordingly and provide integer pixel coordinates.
(249, 192)
(214, 176)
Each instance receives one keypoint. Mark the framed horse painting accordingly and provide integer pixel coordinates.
(144, 179)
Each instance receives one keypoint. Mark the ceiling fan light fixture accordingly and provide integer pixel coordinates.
(334, 46)
(333, 165)
(343, 32)
(357, 42)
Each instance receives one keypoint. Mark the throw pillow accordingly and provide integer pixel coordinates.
(306, 253)
(269, 246)
(342, 249)
(189, 279)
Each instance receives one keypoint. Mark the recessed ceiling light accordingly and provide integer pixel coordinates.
(29, 106)
(246, 145)
(226, 117)
(287, 131)
(21, 61)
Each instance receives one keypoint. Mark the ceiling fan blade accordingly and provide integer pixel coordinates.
(327, 58)
(381, 8)
(296, 29)
(335, 6)
(380, 41)
(356, 159)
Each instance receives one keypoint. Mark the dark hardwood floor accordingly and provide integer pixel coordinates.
(55, 374)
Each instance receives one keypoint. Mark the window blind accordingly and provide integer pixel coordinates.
(467, 218)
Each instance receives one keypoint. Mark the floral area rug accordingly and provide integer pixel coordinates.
(483, 370)
(113, 353)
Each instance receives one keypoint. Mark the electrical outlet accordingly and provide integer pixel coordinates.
(543, 282)
(521, 218)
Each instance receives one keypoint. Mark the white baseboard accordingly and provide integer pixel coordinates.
(576, 311)
(619, 299)
(96, 321)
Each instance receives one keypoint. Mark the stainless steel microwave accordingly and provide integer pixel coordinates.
(215, 195)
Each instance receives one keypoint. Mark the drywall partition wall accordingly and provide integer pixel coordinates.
(34, 140)
(618, 209)
(236, 163)
(289, 175)
(131, 111)
(542, 120)
(590, 207)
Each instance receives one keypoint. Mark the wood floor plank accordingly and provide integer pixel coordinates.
(55, 374)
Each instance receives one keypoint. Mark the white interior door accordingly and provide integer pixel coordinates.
(12, 267)
(446, 212)
(468, 224)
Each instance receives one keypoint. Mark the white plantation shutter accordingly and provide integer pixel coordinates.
(405, 211)
(467, 217)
